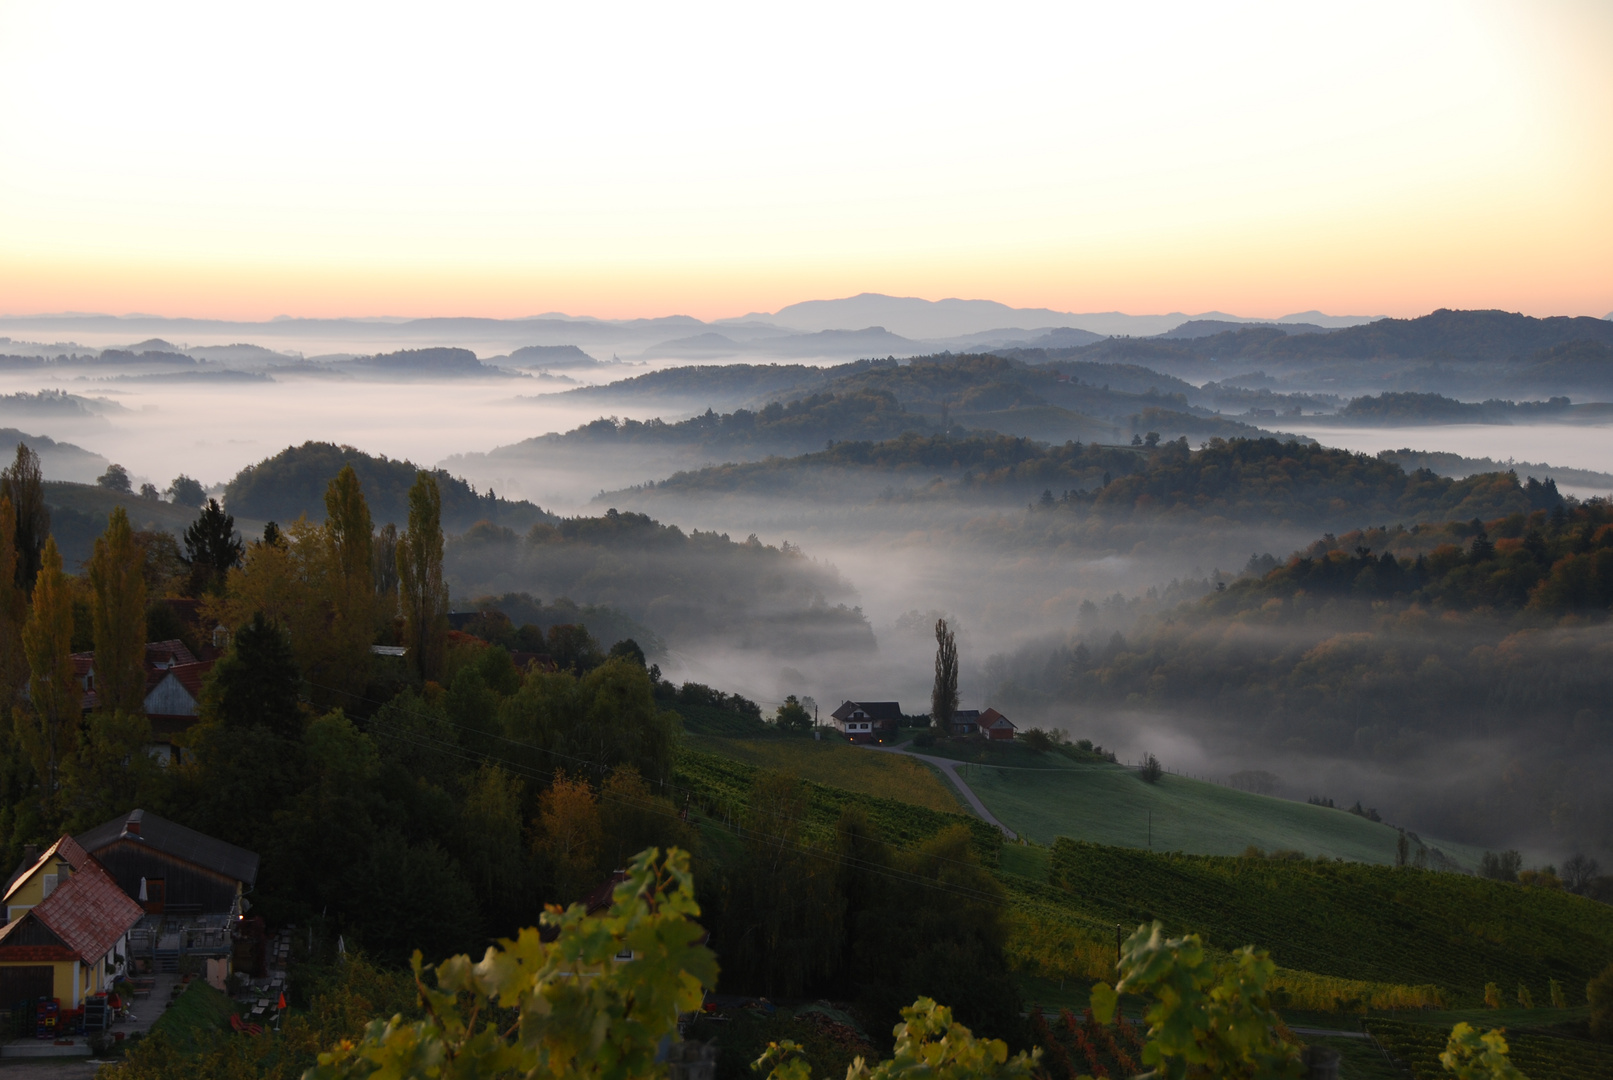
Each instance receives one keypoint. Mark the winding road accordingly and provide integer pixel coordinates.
(950, 769)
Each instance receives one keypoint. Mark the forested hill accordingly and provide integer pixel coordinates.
(1053, 402)
(723, 385)
(1441, 335)
(802, 425)
(293, 482)
(686, 587)
(1258, 480)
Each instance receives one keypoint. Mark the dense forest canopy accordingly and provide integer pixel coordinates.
(292, 483)
(1288, 483)
(685, 587)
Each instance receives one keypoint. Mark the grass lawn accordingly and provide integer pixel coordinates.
(1108, 804)
(839, 764)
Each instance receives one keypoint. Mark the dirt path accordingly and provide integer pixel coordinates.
(950, 769)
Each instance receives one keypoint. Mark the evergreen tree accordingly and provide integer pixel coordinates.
(255, 684)
(422, 592)
(48, 729)
(25, 485)
(212, 548)
(119, 618)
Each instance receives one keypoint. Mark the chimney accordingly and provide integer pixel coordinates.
(132, 826)
(30, 854)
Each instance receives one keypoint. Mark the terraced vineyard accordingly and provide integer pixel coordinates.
(1540, 1057)
(1371, 923)
(719, 787)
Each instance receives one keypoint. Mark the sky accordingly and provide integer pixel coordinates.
(632, 160)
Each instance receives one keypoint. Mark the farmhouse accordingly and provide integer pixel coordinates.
(994, 725)
(66, 929)
(173, 691)
(867, 721)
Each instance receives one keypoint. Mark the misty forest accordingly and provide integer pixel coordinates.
(812, 694)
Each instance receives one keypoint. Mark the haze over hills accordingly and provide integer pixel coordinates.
(909, 323)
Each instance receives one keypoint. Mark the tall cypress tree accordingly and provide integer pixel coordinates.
(351, 582)
(944, 695)
(49, 729)
(423, 595)
(119, 618)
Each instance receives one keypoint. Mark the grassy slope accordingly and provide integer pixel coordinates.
(1047, 797)
(838, 764)
(195, 1017)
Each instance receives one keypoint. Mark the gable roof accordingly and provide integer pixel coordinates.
(167, 654)
(88, 912)
(188, 675)
(993, 718)
(170, 838)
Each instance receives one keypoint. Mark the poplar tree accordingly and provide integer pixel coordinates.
(25, 484)
(48, 730)
(944, 696)
(118, 618)
(351, 577)
(423, 596)
(13, 612)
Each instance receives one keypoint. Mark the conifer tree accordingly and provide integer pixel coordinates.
(48, 729)
(118, 616)
(424, 598)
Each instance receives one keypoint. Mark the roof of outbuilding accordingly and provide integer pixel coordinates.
(188, 674)
(176, 840)
(88, 911)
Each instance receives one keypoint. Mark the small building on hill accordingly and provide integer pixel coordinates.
(994, 725)
(867, 721)
(66, 929)
(173, 691)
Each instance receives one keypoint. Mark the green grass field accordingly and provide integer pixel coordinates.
(1108, 804)
(839, 764)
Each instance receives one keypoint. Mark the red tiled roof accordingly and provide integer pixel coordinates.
(88, 911)
(168, 653)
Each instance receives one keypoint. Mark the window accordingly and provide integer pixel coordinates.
(624, 956)
(49, 883)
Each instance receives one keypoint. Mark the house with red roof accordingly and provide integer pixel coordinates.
(67, 927)
(173, 691)
(994, 725)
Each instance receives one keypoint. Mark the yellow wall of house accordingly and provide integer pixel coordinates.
(31, 890)
(92, 979)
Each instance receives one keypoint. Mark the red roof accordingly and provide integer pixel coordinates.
(88, 911)
(992, 718)
(165, 654)
(189, 676)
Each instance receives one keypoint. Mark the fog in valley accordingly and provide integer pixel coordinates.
(869, 556)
